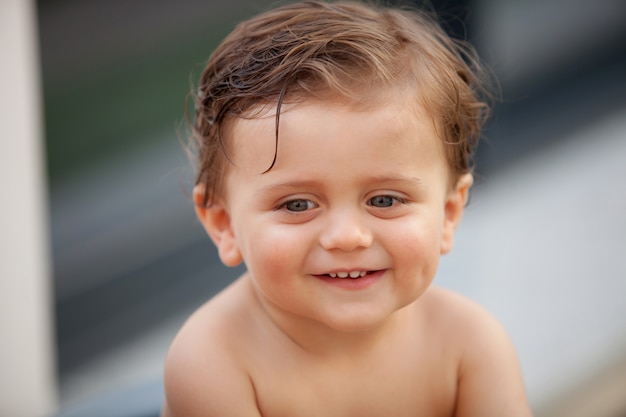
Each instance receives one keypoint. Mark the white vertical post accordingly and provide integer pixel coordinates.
(27, 371)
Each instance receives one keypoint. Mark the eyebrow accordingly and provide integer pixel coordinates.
(389, 178)
(288, 186)
(380, 179)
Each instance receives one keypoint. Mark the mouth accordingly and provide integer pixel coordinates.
(351, 274)
(352, 280)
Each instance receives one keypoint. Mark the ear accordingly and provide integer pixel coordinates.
(216, 221)
(453, 210)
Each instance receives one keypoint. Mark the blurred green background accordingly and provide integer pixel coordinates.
(104, 95)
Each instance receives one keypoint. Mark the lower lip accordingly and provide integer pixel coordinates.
(353, 283)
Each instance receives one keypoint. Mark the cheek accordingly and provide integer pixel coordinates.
(272, 251)
(275, 262)
(417, 246)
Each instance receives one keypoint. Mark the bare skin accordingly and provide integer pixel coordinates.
(441, 356)
(359, 191)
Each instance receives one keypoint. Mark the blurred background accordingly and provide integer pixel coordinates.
(542, 245)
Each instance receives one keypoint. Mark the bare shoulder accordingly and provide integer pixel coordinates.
(451, 309)
(490, 381)
(205, 373)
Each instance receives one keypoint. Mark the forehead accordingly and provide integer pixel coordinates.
(313, 129)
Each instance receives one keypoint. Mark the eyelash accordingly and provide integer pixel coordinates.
(309, 205)
(394, 200)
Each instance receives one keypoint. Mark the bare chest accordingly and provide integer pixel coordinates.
(394, 387)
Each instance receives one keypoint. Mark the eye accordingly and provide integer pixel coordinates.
(299, 204)
(382, 201)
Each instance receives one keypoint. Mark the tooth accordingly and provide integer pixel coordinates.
(355, 274)
(342, 274)
(362, 274)
(333, 275)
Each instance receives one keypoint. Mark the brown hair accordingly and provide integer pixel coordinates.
(345, 49)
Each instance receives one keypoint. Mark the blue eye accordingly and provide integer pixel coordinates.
(382, 201)
(298, 205)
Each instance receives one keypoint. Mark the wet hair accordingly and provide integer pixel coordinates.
(353, 51)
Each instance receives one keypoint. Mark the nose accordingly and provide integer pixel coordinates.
(345, 230)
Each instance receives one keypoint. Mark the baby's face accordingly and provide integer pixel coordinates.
(348, 225)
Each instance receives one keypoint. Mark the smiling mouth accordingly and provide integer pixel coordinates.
(351, 274)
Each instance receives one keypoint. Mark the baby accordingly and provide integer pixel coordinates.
(335, 144)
